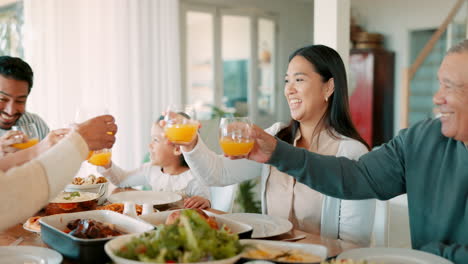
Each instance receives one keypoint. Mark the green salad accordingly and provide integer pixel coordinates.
(189, 239)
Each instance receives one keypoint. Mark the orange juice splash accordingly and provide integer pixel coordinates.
(181, 133)
(236, 148)
(27, 144)
(100, 159)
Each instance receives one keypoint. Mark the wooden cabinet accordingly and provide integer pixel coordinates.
(371, 93)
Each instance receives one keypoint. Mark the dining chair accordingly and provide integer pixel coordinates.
(381, 224)
(222, 198)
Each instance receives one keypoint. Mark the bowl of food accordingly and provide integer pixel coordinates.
(90, 184)
(215, 220)
(72, 202)
(189, 239)
(82, 235)
(283, 252)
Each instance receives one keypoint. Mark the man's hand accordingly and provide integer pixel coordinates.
(263, 147)
(10, 138)
(197, 202)
(98, 132)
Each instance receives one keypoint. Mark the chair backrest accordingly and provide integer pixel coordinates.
(222, 198)
(381, 224)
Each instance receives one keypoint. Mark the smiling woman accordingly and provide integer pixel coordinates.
(316, 91)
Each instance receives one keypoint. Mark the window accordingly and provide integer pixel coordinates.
(11, 30)
(236, 54)
(229, 57)
(425, 84)
(199, 60)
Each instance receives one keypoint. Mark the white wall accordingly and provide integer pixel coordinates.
(295, 19)
(396, 19)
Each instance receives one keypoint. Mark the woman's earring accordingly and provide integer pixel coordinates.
(326, 99)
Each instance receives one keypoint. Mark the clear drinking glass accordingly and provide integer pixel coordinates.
(181, 124)
(234, 136)
(30, 138)
(97, 157)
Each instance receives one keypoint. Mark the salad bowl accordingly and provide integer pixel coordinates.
(117, 243)
(190, 238)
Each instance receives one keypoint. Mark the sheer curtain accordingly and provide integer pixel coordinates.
(122, 54)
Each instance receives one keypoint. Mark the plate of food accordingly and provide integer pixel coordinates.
(91, 183)
(119, 208)
(89, 180)
(190, 239)
(71, 202)
(263, 225)
(283, 252)
(391, 256)
(32, 224)
(142, 197)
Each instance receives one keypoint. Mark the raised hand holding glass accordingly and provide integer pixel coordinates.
(234, 136)
(30, 138)
(181, 124)
(98, 157)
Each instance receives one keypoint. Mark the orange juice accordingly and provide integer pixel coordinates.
(235, 148)
(181, 133)
(27, 144)
(100, 159)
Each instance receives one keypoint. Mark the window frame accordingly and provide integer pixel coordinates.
(218, 12)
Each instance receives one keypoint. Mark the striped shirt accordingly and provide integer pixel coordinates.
(28, 118)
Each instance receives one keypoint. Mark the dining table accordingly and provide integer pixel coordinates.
(21, 237)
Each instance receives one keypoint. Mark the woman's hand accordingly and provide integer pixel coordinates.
(197, 202)
(52, 138)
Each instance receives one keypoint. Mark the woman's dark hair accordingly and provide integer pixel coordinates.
(183, 163)
(17, 69)
(328, 64)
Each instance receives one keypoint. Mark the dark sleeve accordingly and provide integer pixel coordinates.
(377, 174)
(455, 252)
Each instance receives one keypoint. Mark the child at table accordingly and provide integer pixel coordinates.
(167, 171)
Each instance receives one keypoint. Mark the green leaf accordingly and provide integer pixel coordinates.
(246, 197)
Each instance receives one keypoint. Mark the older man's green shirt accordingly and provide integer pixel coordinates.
(431, 168)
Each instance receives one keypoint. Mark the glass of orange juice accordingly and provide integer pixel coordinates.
(83, 113)
(100, 157)
(181, 124)
(234, 136)
(30, 137)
